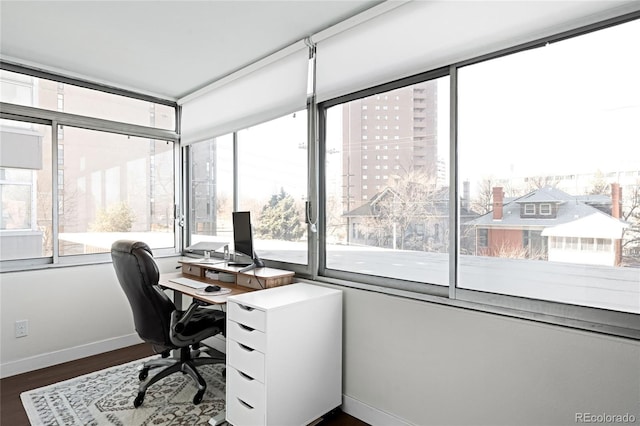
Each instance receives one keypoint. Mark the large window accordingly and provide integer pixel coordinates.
(547, 177)
(550, 136)
(387, 184)
(25, 190)
(271, 171)
(272, 185)
(211, 168)
(71, 183)
(114, 186)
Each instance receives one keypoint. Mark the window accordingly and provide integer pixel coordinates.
(25, 190)
(46, 94)
(586, 244)
(122, 187)
(211, 190)
(272, 171)
(403, 237)
(532, 213)
(545, 209)
(108, 185)
(523, 119)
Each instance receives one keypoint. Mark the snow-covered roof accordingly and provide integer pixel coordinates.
(596, 225)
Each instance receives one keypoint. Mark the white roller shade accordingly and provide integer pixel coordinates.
(20, 149)
(420, 36)
(266, 90)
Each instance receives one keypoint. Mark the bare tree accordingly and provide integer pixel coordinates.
(483, 203)
(409, 208)
(536, 182)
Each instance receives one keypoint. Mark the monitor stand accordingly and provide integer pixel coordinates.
(257, 263)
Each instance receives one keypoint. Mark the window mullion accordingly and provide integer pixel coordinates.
(454, 199)
(55, 208)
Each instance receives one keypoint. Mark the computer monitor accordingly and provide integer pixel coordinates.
(243, 239)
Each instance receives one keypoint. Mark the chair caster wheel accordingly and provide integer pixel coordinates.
(198, 398)
(139, 399)
(144, 373)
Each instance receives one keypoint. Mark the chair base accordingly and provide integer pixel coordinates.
(186, 363)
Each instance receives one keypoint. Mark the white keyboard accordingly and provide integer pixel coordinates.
(189, 283)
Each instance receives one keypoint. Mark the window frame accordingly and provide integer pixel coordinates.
(383, 284)
(305, 270)
(55, 119)
(604, 321)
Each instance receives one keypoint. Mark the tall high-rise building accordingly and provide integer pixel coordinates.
(386, 136)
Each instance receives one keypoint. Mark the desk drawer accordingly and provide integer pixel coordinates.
(245, 359)
(244, 387)
(192, 270)
(250, 317)
(248, 336)
(241, 413)
(250, 281)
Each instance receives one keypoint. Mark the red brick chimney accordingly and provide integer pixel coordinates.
(616, 200)
(498, 197)
(616, 211)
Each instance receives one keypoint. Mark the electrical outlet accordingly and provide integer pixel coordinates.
(22, 328)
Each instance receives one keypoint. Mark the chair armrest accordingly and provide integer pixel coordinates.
(179, 322)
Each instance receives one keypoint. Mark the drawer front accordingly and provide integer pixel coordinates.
(247, 389)
(248, 336)
(249, 281)
(245, 359)
(250, 317)
(241, 413)
(192, 270)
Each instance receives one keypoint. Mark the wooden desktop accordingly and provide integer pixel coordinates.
(256, 279)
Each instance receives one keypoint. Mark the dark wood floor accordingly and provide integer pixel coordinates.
(12, 413)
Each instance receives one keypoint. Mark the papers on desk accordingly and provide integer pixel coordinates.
(189, 283)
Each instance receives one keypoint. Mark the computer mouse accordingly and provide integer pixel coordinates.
(211, 288)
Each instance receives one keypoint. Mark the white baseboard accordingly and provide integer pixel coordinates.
(369, 414)
(65, 355)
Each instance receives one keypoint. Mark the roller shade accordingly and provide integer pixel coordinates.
(20, 149)
(420, 36)
(266, 90)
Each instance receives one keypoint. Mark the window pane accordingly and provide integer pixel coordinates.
(50, 95)
(25, 190)
(115, 187)
(387, 160)
(272, 170)
(548, 142)
(212, 190)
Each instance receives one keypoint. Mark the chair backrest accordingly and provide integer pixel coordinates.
(138, 275)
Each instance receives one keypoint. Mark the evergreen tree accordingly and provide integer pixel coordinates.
(279, 219)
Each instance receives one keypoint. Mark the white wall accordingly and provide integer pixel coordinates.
(412, 362)
(73, 312)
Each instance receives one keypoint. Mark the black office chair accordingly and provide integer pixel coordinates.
(157, 321)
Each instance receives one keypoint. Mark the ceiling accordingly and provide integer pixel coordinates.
(167, 49)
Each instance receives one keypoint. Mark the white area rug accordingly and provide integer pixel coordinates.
(106, 398)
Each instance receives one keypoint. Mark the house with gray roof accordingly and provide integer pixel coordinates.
(552, 225)
(406, 222)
